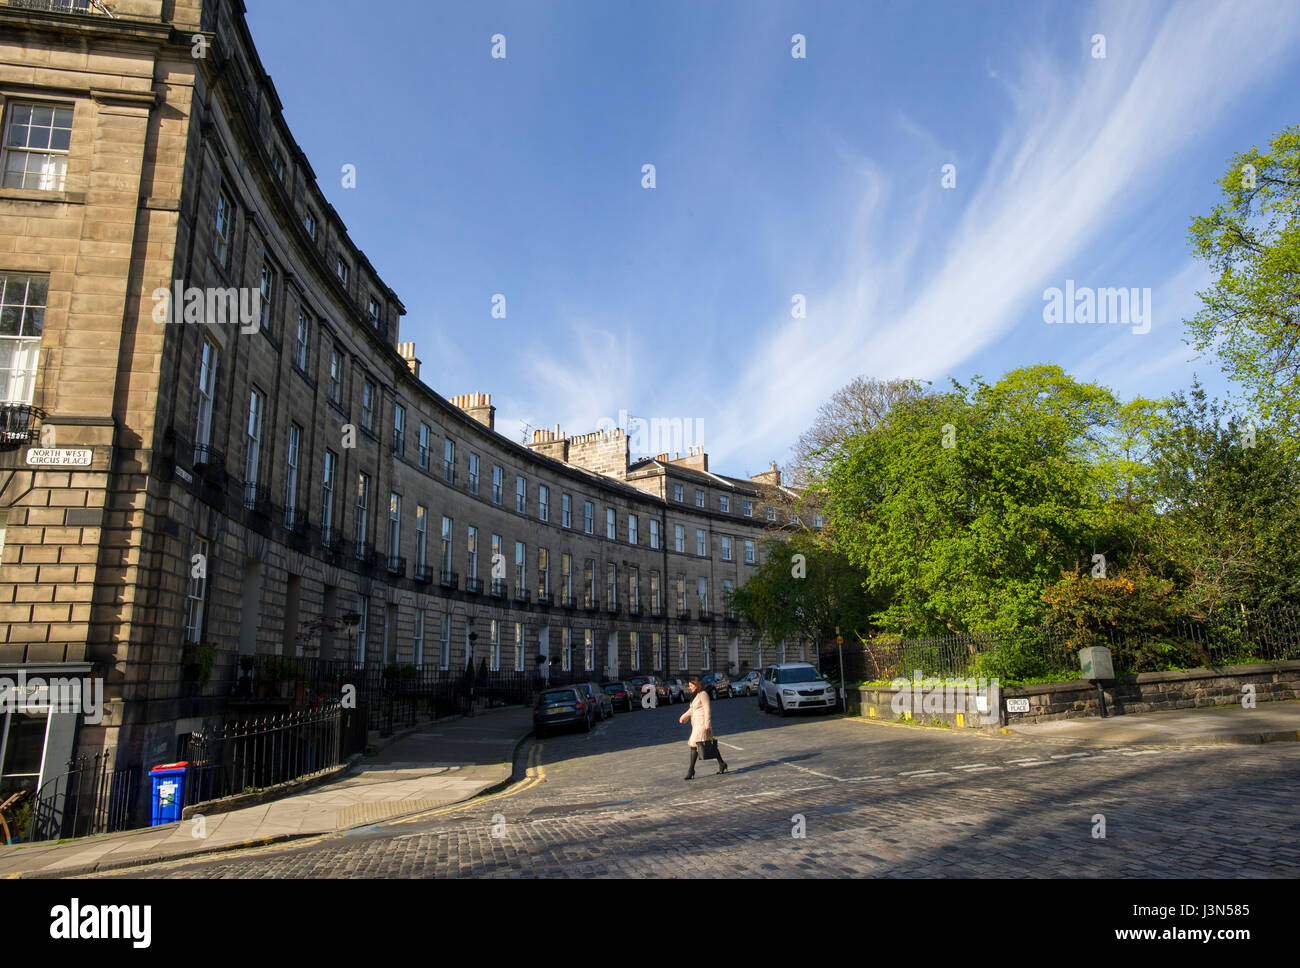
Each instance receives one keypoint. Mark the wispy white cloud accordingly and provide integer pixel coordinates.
(1080, 142)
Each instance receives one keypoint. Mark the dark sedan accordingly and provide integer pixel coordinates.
(562, 706)
(637, 686)
(620, 694)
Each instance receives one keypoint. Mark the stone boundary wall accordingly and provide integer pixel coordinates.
(1147, 692)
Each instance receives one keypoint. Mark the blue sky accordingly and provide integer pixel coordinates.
(820, 176)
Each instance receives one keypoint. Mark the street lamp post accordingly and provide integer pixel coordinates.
(471, 638)
(839, 644)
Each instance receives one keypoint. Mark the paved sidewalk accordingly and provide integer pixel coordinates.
(1268, 722)
(435, 764)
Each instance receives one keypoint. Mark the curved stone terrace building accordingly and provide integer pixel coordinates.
(214, 440)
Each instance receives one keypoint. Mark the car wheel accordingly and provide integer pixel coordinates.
(762, 702)
(780, 707)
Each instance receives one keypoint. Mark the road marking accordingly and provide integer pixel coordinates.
(534, 774)
(804, 769)
(1067, 756)
(731, 746)
(916, 772)
(1028, 759)
(854, 779)
(968, 766)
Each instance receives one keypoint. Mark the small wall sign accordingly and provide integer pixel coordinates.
(1017, 705)
(50, 457)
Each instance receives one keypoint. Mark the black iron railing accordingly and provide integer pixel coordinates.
(423, 574)
(60, 6)
(448, 579)
(90, 798)
(19, 425)
(1226, 638)
(257, 499)
(498, 588)
(254, 754)
(474, 586)
(208, 460)
(396, 566)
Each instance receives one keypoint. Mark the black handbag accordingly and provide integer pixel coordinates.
(708, 747)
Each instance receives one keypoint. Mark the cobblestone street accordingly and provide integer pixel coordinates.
(869, 799)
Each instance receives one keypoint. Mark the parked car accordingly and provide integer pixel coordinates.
(747, 685)
(636, 686)
(562, 706)
(792, 686)
(593, 691)
(717, 685)
(671, 691)
(620, 694)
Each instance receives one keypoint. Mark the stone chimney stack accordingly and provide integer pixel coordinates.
(772, 476)
(551, 443)
(407, 351)
(695, 457)
(479, 406)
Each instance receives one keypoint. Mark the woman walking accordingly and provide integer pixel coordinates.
(700, 714)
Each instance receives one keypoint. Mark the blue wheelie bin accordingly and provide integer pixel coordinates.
(168, 781)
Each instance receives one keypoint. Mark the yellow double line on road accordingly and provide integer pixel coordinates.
(533, 775)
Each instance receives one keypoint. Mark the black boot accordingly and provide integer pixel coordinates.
(695, 755)
(722, 766)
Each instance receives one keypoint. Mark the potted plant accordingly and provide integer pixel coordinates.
(278, 672)
(197, 659)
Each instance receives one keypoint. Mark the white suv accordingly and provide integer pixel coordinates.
(794, 685)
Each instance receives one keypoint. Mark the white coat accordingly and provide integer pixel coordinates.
(701, 716)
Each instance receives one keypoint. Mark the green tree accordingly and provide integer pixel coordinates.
(1230, 499)
(1251, 314)
(791, 596)
(965, 505)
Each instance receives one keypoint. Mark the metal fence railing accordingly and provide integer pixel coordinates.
(90, 798)
(258, 753)
(1229, 637)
